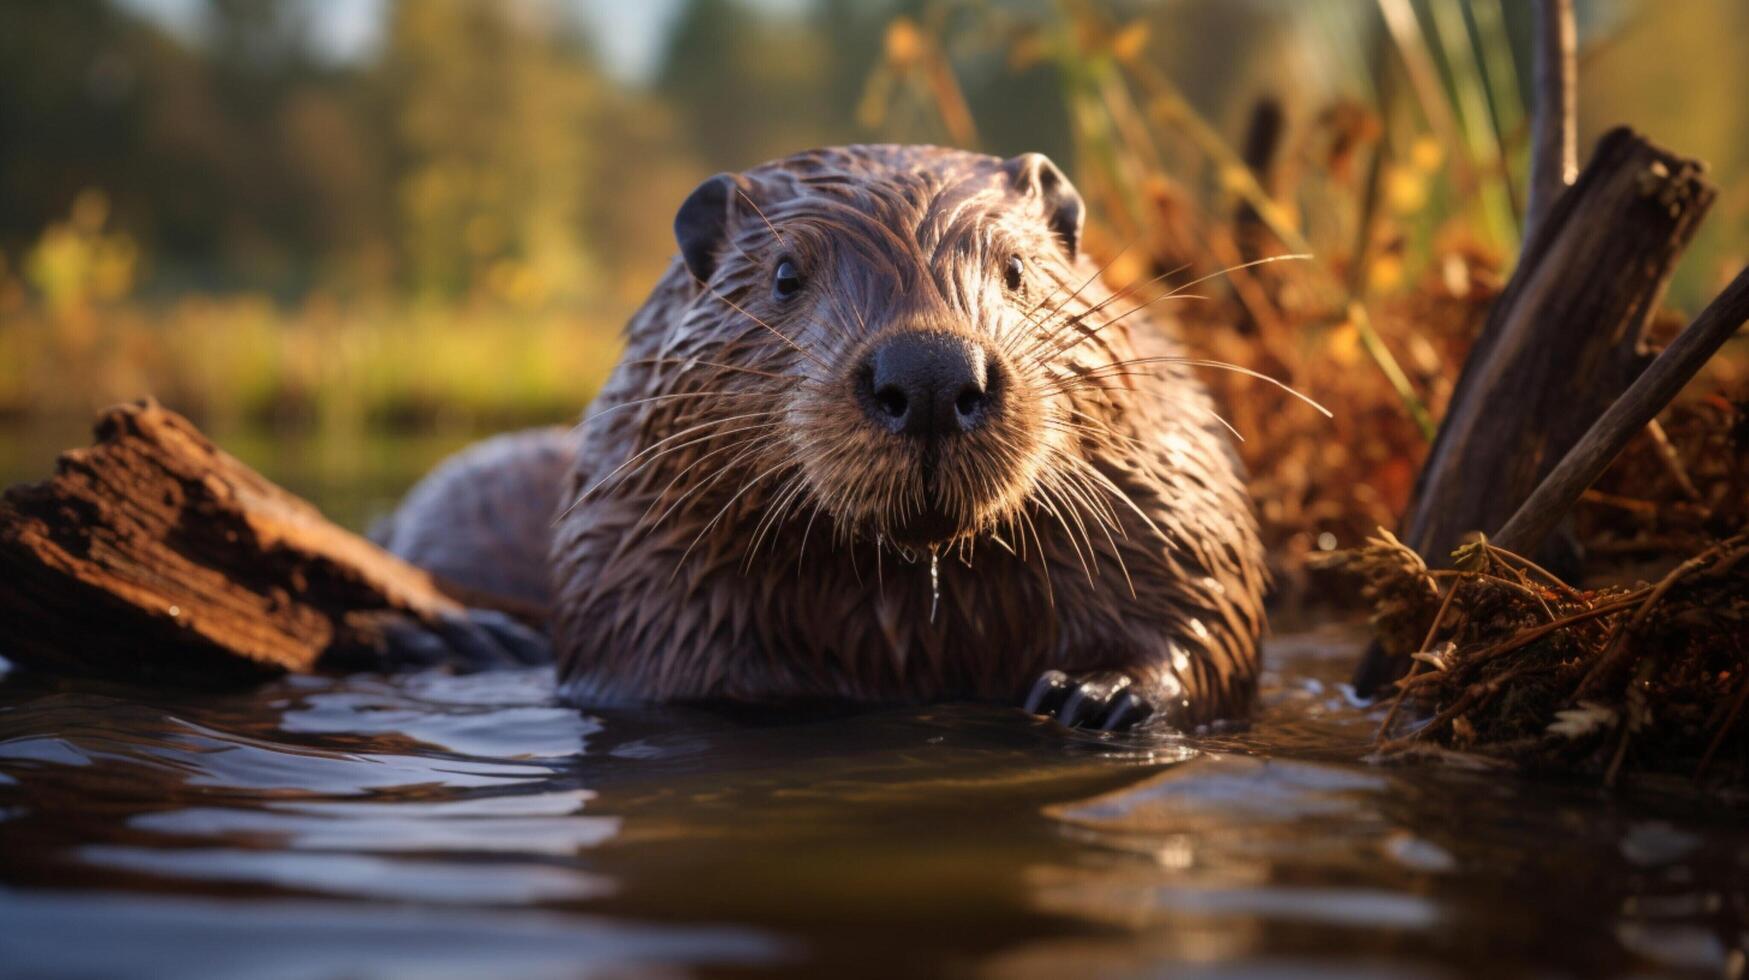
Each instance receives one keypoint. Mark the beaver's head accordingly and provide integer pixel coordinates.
(896, 333)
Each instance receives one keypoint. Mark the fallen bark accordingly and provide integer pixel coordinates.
(154, 556)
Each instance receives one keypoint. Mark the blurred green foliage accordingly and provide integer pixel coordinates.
(450, 229)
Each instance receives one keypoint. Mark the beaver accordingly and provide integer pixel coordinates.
(880, 433)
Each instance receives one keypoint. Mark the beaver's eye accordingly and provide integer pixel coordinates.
(787, 281)
(1011, 275)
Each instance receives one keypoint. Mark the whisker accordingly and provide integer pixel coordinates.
(802, 549)
(717, 364)
(1088, 333)
(1099, 508)
(1028, 318)
(1177, 291)
(719, 516)
(1045, 497)
(773, 228)
(673, 396)
(1218, 417)
(689, 430)
(774, 331)
(1124, 498)
(1254, 263)
(1071, 493)
(1044, 558)
(1102, 304)
(1106, 527)
(656, 445)
(746, 446)
(1099, 435)
(1204, 362)
(781, 500)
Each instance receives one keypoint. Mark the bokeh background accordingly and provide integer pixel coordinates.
(348, 236)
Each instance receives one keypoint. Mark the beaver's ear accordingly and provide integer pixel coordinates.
(1035, 175)
(702, 223)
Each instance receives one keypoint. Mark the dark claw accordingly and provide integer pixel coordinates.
(1047, 693)
(478, 639)
(524, 644)
(474, 646)
(1126, 711)
(409, 644)
(1081, 705)
(1104, 700)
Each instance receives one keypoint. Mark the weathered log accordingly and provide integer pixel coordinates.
(154, 556)
(1660, 382)
(1563, 340)
(1561, 344)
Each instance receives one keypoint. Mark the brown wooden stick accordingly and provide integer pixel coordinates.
(1554, 152)
(1643, 400)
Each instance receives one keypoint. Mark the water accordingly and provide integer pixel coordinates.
(430, 825)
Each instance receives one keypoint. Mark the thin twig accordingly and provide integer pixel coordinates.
(1672, 460)
(1554, 581)
(1415, 667)
(1532, 635)
(1554, 153)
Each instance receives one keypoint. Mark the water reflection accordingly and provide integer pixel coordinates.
(386, 827)
(50, 933)
(440, 825)
(358, 875)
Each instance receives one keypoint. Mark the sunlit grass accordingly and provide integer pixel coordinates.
(372, 365)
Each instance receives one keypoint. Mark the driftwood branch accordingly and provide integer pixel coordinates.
(1644, 399)
(1563, 340)
(1554, 152)
(152, 555)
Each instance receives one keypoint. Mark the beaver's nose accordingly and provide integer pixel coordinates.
(928, 384)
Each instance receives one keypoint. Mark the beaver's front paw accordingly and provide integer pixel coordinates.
(473, 640)
(1106, 700)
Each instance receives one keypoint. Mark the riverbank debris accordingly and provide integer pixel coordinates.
(1511, 663)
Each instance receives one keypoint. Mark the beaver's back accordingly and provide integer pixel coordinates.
(483, 518)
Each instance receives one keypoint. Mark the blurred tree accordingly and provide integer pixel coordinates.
(192, 145)
(924, 58)
(478, 151)
(699, 76)
(264, 38)
(748, 88)
(492, 110)
(69, 109)
(852, 31)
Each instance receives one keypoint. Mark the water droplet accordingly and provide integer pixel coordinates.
(934, 581)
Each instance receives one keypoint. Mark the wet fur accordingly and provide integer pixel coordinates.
(727, 529)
